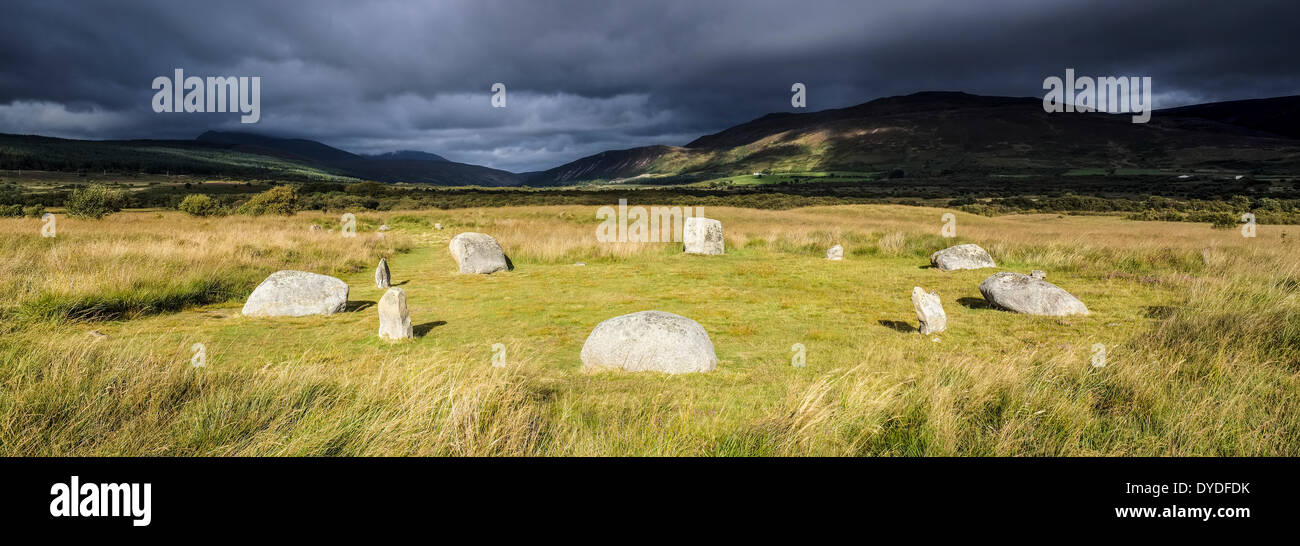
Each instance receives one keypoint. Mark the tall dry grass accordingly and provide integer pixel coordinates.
(130, 264)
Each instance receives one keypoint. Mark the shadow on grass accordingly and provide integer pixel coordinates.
(420, 330)
(974, 303)
(897, 325)
(358, 305)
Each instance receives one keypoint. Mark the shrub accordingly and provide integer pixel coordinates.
(1222, 220)
(197, 204)
(11, 211)
(94, 201)
(34, 211)
(277, 200)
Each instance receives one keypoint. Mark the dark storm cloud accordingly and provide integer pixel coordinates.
(586, 76)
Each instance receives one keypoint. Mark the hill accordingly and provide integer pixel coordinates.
(406, 154)
(241, 155)
(948, 133)
(403, 166)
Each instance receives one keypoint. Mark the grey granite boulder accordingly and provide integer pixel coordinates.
(478, 253)
(835, 253)
(394, 318)
(702, 236)
(383, 279)
(929, 311)
(650, 341)
(967, 256)
(296, 294)
(1024, 294)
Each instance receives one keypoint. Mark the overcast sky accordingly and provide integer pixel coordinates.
(586, 76)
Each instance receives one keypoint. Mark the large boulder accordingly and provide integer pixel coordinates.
(929, 311)
(650, 340)
(296, 294)
(394, 319)
(702, 236)
(478, 253)
(967, 256)
(835, 253)
(1024, 294)
(383, 279)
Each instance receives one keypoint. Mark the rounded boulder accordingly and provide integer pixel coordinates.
(478, 253)
(967, 256)
(650, 341)
(1024, 294)
(295, 294)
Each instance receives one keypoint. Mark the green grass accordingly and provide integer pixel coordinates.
(1201, 358)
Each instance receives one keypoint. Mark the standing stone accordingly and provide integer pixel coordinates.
(1024, 294)
(929, 311)
(437, 226)
(295, 294)
(835, 253)
(650, 341)
(383, 227)
(1038, 274)
(702, 236)
(382, 278)
(967, 256)
(394, 319)
(478, 253)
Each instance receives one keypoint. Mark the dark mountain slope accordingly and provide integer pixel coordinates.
(1279, 116)
(241, 155)
(942, 133)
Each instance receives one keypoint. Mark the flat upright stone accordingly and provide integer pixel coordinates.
(929, 311)
(382, 277)
(650, 341)
(295, 294)
(394, 318)
(478, 253)
(835, 253)
(702, 236)
(967, 256)
(1024, 294)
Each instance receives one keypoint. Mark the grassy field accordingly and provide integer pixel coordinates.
(1200, 329)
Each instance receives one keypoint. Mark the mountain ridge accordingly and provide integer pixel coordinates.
(944, 132)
